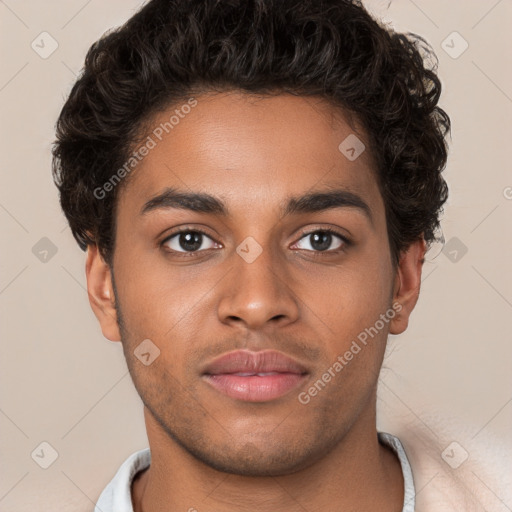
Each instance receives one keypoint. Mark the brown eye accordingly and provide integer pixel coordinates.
(322, 240)
(189, 241)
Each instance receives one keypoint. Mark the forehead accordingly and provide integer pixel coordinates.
(251, 150)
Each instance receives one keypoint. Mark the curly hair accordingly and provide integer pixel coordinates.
(333, 49)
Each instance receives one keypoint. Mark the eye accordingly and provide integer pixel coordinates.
(189, 241)
(322, 240)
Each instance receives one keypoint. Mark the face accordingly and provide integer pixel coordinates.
(278, 268)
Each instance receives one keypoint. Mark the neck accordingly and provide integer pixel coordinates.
(359, 474)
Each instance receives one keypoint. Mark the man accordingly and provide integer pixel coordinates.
(256, 184)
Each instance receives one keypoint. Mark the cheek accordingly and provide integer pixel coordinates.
(164, 303)
(350, 297)
(349, 304)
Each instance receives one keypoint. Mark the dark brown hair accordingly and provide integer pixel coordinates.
(333, 49)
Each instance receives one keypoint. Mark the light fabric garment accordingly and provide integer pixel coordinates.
(458, 466)
(116, 497)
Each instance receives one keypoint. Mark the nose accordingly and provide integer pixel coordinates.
(257, 293)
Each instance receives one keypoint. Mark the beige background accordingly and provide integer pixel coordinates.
(63, 383)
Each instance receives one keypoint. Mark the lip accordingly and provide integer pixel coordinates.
(254, 376)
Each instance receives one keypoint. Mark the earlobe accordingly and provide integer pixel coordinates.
(407, 285)
(101, 293)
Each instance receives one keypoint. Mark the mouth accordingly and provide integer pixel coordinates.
(254, 376)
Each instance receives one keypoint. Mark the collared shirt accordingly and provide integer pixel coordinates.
(116, 497)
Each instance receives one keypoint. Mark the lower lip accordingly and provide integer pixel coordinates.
(255, 388)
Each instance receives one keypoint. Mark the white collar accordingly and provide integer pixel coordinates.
(116, 497)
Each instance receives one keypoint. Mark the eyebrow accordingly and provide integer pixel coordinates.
(201, 202)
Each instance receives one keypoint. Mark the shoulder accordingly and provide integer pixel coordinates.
(116, 497)
(453, 469)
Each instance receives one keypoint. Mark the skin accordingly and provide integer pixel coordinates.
(211, 452)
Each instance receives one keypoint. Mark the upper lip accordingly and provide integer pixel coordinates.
(245, 361)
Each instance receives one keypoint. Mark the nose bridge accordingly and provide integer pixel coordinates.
(257, 291)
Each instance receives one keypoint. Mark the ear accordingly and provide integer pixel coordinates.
(101, 293)
(407, 285)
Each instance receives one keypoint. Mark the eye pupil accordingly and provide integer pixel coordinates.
(190, 241)
(321, 240)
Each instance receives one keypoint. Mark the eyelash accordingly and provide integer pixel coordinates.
(344, 239)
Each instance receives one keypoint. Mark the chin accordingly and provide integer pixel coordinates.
(251, 460)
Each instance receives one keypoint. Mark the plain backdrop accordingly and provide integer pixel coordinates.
(63, 384)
